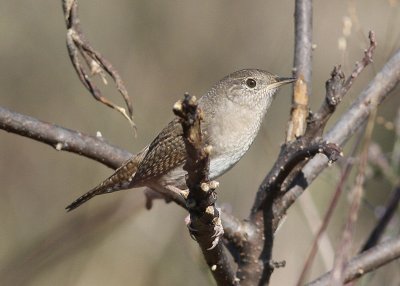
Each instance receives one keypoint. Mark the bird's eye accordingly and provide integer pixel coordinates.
(251, 83)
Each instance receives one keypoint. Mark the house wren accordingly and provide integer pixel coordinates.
(233, 111)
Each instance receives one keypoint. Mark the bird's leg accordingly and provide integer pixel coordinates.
(152, 195)
(167, 193)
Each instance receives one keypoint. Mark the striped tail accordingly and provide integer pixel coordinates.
(120, 180)
(84, 198)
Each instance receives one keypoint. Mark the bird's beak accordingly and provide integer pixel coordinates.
(281, 81)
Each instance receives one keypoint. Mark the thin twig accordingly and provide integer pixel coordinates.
(361, 65)
(96, 63)
(336, 89)
(380, 227)
(395, 158)
(378, 159)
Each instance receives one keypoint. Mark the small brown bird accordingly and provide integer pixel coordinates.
(233, 111)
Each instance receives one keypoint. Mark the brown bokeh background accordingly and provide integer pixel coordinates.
(162, 49)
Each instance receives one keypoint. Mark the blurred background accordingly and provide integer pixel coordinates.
(162, 49)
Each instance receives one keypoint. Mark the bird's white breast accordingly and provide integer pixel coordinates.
(231, 137)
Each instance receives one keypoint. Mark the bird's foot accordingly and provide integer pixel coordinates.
(152, 195)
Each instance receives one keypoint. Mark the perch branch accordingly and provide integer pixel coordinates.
(205, 223)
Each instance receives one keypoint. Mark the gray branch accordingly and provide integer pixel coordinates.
(63, 139)
(303, 41)
(355, 117)
(366, 262)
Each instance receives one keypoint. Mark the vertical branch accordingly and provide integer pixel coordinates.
(303, 41)
(302, 69)
(256, 265)
(205, 224)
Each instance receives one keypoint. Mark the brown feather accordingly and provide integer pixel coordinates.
(166, 152)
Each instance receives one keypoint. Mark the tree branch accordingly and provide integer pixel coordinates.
(336, 89)
(256, 265)
(205, 223)
(77, 44)
(63, 139)
(380, 227)
(303, 41)
(365, 262)
(376, 91)
(302, 69)
(344, 248)
(377, 158)
(328, 214)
